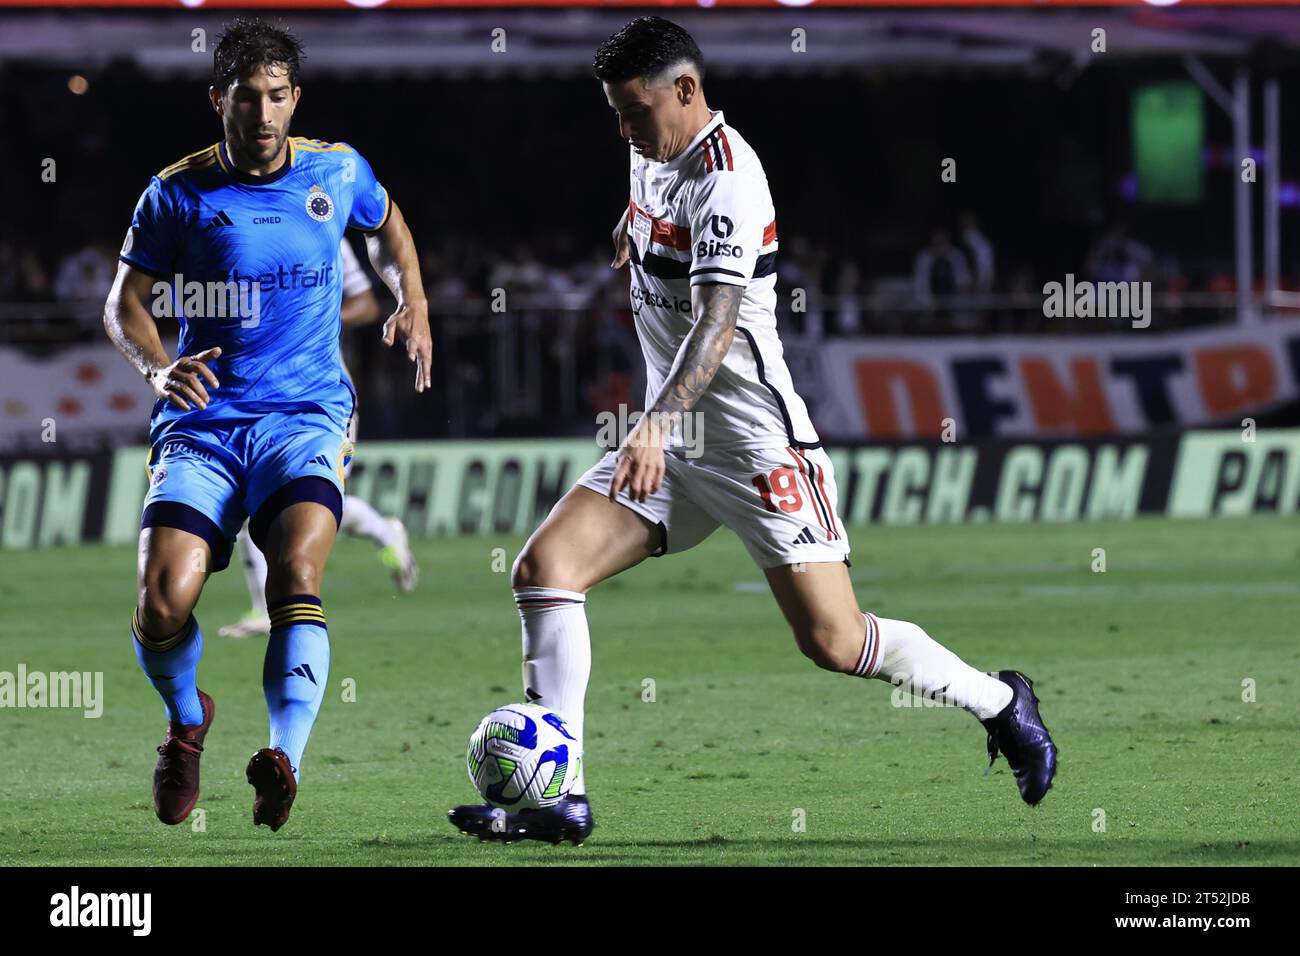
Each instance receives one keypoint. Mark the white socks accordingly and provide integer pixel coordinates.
(557, 655)
(557, 661)
(254, 570)
(361, 519)
(907, 657)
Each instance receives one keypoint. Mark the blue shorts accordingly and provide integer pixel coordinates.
(209, 477)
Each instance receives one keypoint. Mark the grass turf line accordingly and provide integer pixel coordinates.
(1139, 669)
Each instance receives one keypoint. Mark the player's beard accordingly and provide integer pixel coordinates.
(262, 155)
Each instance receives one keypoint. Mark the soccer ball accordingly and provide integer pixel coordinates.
(523, 757)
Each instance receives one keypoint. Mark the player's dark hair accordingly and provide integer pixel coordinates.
(250, 42)
(643, 48)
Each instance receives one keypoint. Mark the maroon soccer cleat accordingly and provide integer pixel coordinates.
(176, 775)
(272, 777)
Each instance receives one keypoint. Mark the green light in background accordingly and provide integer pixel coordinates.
(1169, 143)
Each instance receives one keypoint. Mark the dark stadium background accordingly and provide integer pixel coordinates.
(521, 162)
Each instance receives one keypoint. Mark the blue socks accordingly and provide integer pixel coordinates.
(170, 663)
(295, 672)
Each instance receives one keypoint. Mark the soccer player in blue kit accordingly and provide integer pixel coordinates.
(251, 420)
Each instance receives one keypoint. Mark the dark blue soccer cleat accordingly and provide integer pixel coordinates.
(1018, 732)
(570, 820)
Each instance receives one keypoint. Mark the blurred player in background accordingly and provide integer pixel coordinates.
(360, 307)
(700, 232)
(252, 417)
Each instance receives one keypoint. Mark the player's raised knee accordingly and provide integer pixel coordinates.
(831, 645)
(163, 610)
(294, 574)
(540, 566)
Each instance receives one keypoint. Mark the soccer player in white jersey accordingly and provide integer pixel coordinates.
(700, 234)
(360, 307)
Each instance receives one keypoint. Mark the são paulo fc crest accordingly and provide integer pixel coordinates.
(319, 205)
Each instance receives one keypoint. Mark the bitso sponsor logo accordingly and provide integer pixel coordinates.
(717, 250)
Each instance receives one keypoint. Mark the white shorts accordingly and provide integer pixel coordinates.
(779, 501)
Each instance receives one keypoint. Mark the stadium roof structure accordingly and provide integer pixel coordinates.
(1246, 41)
(754, 41)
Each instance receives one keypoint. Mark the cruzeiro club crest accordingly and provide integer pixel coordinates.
(319, 205)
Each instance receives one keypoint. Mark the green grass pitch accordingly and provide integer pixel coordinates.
(1140, 671)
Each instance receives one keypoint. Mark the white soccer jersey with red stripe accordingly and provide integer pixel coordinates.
(705, 217)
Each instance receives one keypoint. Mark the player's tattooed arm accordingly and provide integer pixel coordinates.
(640, 465)
(716, 308)
(130, 324)
(392, 253)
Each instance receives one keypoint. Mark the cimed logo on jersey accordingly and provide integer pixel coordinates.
(319, 205)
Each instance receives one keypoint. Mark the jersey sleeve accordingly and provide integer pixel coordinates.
(370, 205)
(727, 216)
(153, 242)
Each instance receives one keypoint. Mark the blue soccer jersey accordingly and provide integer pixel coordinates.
(273, 243)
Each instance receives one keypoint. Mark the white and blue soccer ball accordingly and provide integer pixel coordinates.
(523, 757)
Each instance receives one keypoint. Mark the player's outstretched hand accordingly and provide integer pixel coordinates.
(181, 383)
(640, 465)
(411, 322)
(621, 254)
